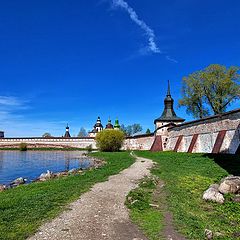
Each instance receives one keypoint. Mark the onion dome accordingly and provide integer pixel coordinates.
(67, 134)
(109, 124)
(169, 114)
(116, 125)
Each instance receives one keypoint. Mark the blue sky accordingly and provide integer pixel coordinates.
(68, 61)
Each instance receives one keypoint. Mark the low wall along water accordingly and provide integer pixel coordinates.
(214, 134)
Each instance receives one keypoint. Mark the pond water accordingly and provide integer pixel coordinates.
(30, 164)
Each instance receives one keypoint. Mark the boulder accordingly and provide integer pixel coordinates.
(46, 176)
(2, 188)
(72, 171)
(208, 234)
(61, 174)
(212, 194)
(18, 181)
(230, 184)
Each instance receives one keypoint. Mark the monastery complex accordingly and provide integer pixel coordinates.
(215, 134)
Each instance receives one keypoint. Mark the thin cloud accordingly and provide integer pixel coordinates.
(152, 46)
(171, 59)
(9, 101)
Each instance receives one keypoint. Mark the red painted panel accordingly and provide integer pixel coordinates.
(178, 143)
(219, 141)
(157, 144)
(193, 142)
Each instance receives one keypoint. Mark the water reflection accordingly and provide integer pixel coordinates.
(31, 164)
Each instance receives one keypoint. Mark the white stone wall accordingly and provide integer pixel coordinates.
(139, 143)
(49, 142)
(207, 130)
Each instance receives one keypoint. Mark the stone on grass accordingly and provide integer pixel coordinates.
(2, 188)
(212, 194)
(18, 181)
(72, 171)
(46, 176)
(230, 184)
(208, 234)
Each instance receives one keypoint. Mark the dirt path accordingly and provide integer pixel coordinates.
(100, 213)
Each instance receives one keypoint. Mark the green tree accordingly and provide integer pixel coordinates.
(193, 95)
(136, 128)
(148, 131)
(210, 90)
(221, 86)
(110, 140)
(131, 129)
(82, 132)
(46, 135)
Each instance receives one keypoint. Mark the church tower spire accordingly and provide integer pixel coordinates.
(168, 91)
(168, 114)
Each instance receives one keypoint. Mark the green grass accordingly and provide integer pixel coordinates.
(25, 208)
(186, 177)
(148, 218)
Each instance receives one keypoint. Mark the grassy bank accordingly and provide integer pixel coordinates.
(186, 177)
(25, 208)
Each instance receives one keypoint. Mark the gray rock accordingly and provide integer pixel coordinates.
(230, 184)
(46, 176)
(212, 194)
(18, 181)
(72, 171)
(2, 188)
(208, 234)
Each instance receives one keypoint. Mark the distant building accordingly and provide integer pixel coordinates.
(1, 134)
(98, 127)
(168, 117)
(116, 125)
(109, 124)
(67, 133)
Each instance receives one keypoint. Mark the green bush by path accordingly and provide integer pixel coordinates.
(186, 177)
(25, 208)
(110, 140)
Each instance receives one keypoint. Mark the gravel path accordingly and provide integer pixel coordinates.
(100, 213)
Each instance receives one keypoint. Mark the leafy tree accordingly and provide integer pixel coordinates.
(221, 86)
(193, 95)
(210, 90)
(110, 140)
(148, 131)
(136, 128)
(46, 135)
(131, 129)
(82, 132)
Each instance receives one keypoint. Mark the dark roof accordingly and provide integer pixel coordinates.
(67, 134)
(98, 125)
(168, 114)
(94, 131)
(109, 124)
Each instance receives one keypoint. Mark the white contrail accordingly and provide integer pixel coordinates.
(133, 15)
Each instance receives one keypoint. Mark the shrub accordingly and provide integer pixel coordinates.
(23, 147)
(110, 140)
(89, 148)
